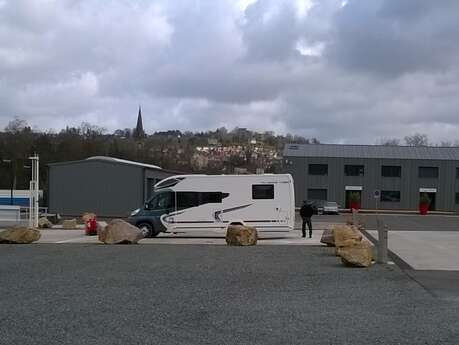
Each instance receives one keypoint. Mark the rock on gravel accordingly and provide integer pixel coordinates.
(328, 238)
(358, 255)
(119, 232)
(238, 235)
(44, 223)
(346, 235)
(69, 224)
(19, 235)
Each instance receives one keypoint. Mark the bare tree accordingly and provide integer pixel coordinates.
(389, 142)
(87, 129)
(417, 139)
(446, 143)
(16, 125)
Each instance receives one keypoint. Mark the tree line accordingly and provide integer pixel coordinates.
(171, 150)
(417, 139)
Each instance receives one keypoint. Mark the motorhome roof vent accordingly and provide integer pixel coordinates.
(169, 182)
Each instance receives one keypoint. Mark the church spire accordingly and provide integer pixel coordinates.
(138, 131)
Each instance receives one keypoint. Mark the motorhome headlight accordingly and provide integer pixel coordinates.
(135, 212)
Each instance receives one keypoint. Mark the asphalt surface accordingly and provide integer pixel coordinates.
(441, 284)
(175, 294)
(409, 222)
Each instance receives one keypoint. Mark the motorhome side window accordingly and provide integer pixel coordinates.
(263, 191)
(193, 199)
(211, 197)
(187, 199)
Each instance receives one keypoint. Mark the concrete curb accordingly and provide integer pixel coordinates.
(394, 257)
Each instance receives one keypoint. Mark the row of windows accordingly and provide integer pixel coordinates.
(386, 195)
(192, 199)
(386, 171)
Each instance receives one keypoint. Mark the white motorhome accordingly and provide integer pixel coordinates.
(197, 202)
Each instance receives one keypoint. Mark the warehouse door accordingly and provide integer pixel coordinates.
(351, 194)
(431, 196)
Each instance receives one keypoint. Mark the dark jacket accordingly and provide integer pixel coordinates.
(306, 211)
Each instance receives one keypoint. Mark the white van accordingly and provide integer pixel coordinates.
(197, 202)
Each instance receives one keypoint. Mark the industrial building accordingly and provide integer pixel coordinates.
(107, 186)
(386, 177)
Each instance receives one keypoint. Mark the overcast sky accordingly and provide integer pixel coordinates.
(341, 71)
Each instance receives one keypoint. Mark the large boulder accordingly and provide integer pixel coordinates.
(328, 238)
(69, 224)
(238, 235)
(44, 223)
(19, 235)
(359, 255)
(346, 236)
(119, 232)
(86, 217)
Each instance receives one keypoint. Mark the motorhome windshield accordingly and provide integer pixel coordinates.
(161, 200)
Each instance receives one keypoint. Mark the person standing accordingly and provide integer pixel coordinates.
(306, 213)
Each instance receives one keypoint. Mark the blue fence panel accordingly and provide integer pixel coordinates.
(16, 201)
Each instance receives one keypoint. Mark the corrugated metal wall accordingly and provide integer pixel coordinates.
(408, 184)
(93, 186)
(151, 177)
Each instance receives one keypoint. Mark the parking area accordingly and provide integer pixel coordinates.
(175, 294)
(421, 242)
(204, 236)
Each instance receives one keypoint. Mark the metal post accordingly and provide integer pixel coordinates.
(37, 190)
(355, 220)
(34, 192)
(382, 242)
(12, 185)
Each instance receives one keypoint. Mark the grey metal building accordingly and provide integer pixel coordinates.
(108, 186)
(400, 173)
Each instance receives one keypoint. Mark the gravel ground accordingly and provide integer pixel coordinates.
(175, 294)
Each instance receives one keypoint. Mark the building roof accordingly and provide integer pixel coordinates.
(371, 151)
(122, 161)
(111, 160)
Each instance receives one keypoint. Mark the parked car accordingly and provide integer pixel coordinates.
(317, 205)
(330, 207)
(323, 206)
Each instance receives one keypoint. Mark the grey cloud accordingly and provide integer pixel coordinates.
(389, 67)
(269, 31)
(392, 37)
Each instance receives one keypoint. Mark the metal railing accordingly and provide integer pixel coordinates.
(18, 215)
